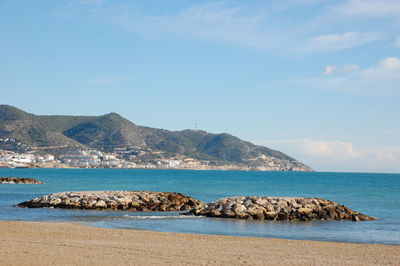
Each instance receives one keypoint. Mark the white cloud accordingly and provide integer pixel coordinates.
(212, 21)
(334, 155)
(387, 69)
(389, 131)
(105, 81)
(329, 70)
(384, 78)
(321, 148)
(269, 26)
(328, 148)
(397, 42)
(337, 42)
(370, 8)
(350, 68)
(86, 2)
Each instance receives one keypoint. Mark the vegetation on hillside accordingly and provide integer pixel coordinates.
(111, 131)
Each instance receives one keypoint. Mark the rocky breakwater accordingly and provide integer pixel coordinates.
(19, 180)
(282, 209)
(116, 200)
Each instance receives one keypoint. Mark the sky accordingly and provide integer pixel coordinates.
(316, 79)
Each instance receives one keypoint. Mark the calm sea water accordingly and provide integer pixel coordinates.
(377, 195)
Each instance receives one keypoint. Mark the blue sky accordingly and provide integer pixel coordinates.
(318, 80)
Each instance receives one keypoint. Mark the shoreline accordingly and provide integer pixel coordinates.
(210, 169)
(161, 168)
(45, 243)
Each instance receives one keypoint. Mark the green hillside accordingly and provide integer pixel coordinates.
(110, 131)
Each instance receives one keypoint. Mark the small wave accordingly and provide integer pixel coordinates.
(160, 216)
(110, 218)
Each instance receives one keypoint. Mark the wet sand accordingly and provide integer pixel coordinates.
(29, 243)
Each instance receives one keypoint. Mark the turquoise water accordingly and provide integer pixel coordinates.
(373, 194)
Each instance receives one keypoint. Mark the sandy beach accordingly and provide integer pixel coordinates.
(30, 243)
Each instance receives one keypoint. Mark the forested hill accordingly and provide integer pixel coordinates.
(112, 131)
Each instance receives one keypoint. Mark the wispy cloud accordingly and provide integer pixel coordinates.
(213, 21)
(270, 27)
(105, 81)
(350, 68)
(238, 26)
(370, 8)
(331, 70)
(397, 41)
(389, 131)
(337, 42)
(320, 148)
(88, 2)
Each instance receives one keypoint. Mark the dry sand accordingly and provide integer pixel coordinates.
(28, 243)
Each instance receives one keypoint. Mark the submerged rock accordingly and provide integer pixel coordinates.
(116, 200)
(19, 180)
(279, 208)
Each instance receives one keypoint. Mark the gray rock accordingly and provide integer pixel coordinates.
(123, 200)
(270, 215)
(100, 204)
(304, 211)
(19, 180)
(273, 208)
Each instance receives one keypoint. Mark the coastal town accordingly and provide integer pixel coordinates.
(123, 157)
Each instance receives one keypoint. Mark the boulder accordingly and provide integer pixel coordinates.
(270, 215)
(117, 200)
(101, 204)
(277, 208)
(304, 211)
(19, 180)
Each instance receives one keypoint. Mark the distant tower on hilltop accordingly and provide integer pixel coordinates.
(196, 128)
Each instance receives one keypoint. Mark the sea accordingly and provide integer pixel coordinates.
(377, 195)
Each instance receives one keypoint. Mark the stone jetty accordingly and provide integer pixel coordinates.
(250, 208)
(19, 180)
(117, 200)
(279, 208)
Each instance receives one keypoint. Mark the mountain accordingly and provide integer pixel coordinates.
(108, 132)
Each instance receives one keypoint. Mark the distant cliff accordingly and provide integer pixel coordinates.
(108, 133)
